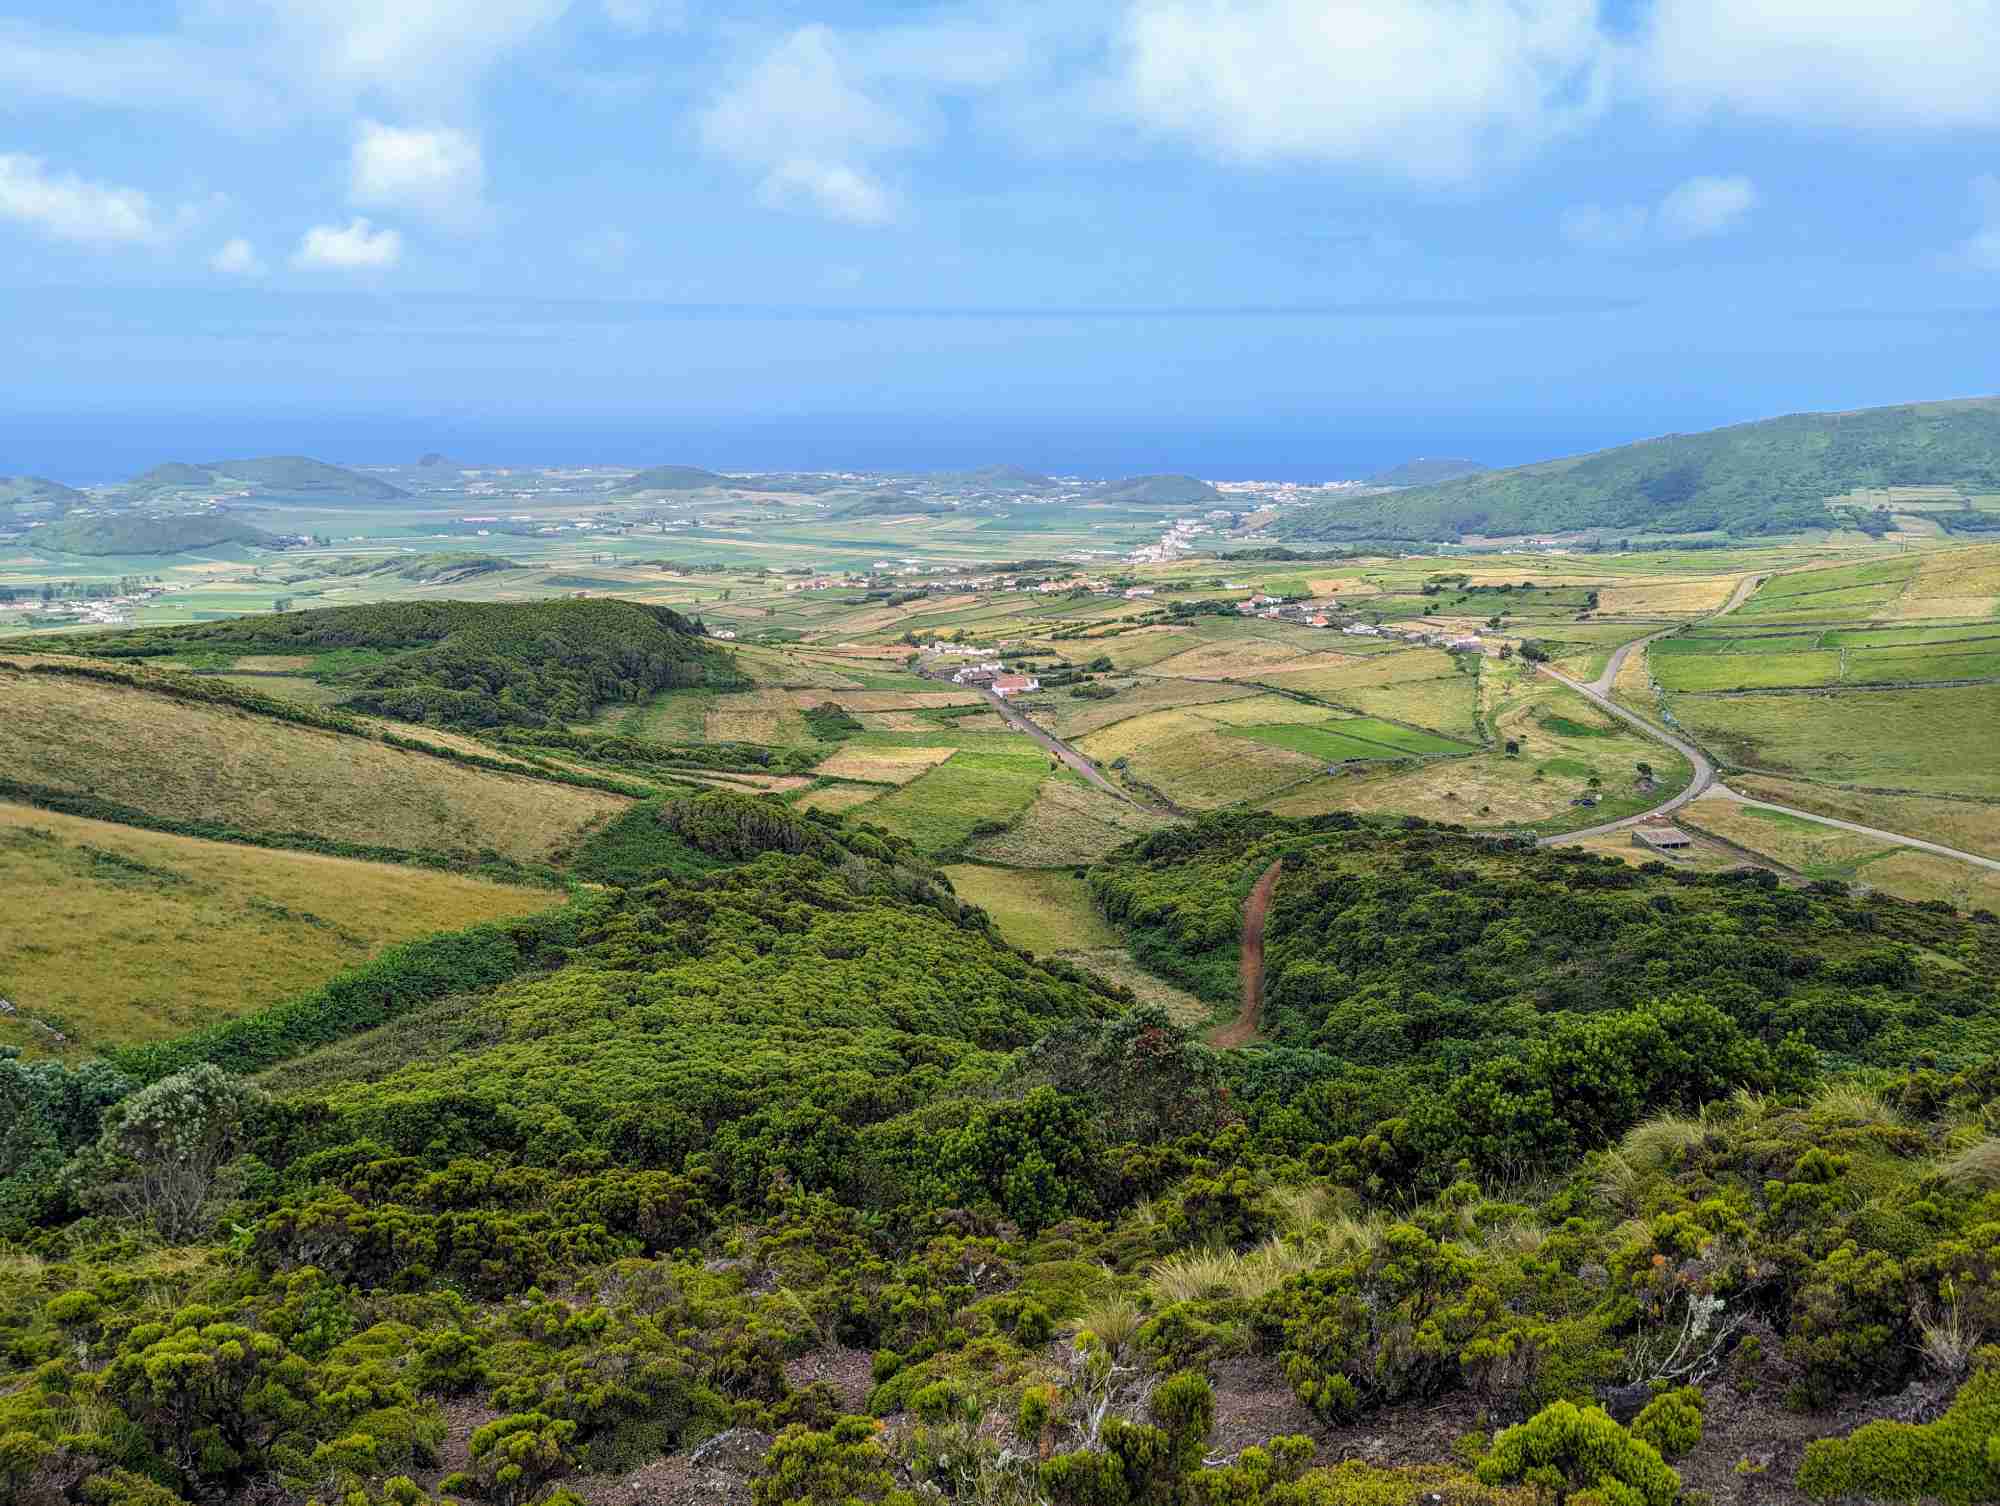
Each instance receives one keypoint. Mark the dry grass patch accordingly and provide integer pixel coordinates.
(886, 700)
(1666, 598)
(116, 934)
(272, 663)
(1071, 822)
(767, 717)
(185, 761)
(1972, 573)
(1941, 738)
(882, 765)
(1235, 659)
(1210, 769)
(1116, 965)
(1124, 738)
(1076, 716)
(837, 797)
(1137, 649)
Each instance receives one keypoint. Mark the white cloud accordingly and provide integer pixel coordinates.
(356, 247)
(800, 119)
(439, 173)
(237, 258)
(1700, 207)
(1427, 89)
(68, 208)
(1705, 206)
(1981, 250)
(1879, 64)
(640, 17)
(412, 49)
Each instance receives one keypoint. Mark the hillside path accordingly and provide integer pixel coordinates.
(1243, 1029)
(1020, 721)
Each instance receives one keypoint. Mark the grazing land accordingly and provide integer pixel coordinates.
(116, 935)
(957, 800)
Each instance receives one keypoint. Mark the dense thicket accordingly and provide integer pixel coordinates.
(1768, 477)
(466, 664)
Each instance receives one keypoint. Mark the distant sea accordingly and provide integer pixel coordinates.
(82, 449)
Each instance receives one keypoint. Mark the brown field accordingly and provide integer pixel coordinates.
(190, 762)
(837, 797)
(894, 721)
(1235, 659)
(1964, 573)
(882, 765)
(1073, 716)
(115, 934)
(272, 663)
(769, 717)
(887, 700)
(1971, 825)
(1666, 598)
(1070, 822)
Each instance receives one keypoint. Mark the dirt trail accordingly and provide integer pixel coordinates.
(1243, 1029)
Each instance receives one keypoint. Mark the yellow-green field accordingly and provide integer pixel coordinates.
(942, 808)
(1969, 825)
(191, 762)
(881, 765)
(114, 934)
(1071, 822)
(1048, 911)
(1939, 739)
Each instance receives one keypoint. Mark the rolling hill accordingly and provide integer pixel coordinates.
(1169, 489)
(1428, 470)
(1778, 475)
(282, 475)
(15, 490)
(133, 533)
(467, 664)
(890, 505)
(999, 478)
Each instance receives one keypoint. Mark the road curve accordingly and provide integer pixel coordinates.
(1704, 771)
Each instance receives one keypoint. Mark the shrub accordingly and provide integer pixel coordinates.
(1955, 1459)
(1566, 1449)
(1671, 1422)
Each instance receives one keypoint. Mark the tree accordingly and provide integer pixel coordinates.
(282, 604)
(1513, 747)
(165, 1151)
(1645, 769)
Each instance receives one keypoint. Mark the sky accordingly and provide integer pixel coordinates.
(1301, 238)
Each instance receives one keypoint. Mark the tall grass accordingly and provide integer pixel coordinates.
(1976, 1166)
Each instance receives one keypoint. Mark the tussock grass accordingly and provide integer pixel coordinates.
(1115, 1322)
(1975, 1166)
(1851, 1103)
(1659, 1141)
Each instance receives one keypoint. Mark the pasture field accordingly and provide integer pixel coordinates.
(116, 935)
(190, 762)
(667, 716)
(768, 717)
(1447, 704)
(1127, 737)
(1210, 769)
(877, 765)
(837, 797)
(1071, 822)
(1969, 825)
(1038, 911)
(1323, 741)
(1667, 598)
(1075, 716)
(1138, 649)
(1746, 671)
(1826, 852)
(1227, 661)
(1937, 739)
(889, 700)
(1258, 710)
(940, 809)
(306, 692)
(1837, 591)
(1403, 739)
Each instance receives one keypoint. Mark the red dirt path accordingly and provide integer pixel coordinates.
(1243, 1029)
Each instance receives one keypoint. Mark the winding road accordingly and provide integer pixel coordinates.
(1597, 692)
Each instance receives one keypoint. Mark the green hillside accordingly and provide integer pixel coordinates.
(18, 489)
(460, 663)
(1000, 478)
(133, 533)
(891, 505)
(1775, 476)
(1428, 471)
(283, 475)
(672, 478)
(1168, 489)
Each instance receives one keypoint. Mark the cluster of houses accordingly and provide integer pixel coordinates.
(1175, 543)
(993, 676)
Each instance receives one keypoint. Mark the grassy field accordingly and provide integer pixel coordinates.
(1937, 739)
(189, 762)
(837, 797)
(882, 765)
(1970, 825)
(1826, 852)
(940, 809)
(1210, 769)
(1074, 716)
(114, 934)
(1046, 911)
(1322, 742)
(1071, 822)
(767, 717)
(671, 716)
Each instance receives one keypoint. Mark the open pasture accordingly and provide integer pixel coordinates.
(1209, 769)
(1074, 716)
(943, 807)
(1322, 741)
(877, 765)
(1836, 591)
(767, 717)
(1969, 825)
(837, 797)
(1040, 911)
(1071, 822)
(1941, 738)
(190, 762)
(115, 934)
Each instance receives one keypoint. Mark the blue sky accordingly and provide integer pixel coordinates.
(1318, 233)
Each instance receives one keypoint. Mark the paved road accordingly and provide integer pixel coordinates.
(1704, 771)
(1867, 831)
(1021, 722)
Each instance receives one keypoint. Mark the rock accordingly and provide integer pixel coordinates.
(1625, 1402)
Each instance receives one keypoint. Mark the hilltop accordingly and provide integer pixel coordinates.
(890, 505)
(1778, 475)
(1169, 489)
(132, 533)
(1428, 470)
(285, 475)
(466, 664)
(15, 490)
(999, 478)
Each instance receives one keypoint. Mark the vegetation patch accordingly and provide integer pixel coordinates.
(970, 795)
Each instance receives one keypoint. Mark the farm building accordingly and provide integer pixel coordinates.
(1006, 685)
(1661, 837)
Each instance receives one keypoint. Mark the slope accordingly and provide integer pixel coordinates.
(15, 490)
(1168, 489)
(283, 475)
(1774, 476)
(131, 533)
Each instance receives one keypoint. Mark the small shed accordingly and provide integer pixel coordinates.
(1661, 837)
